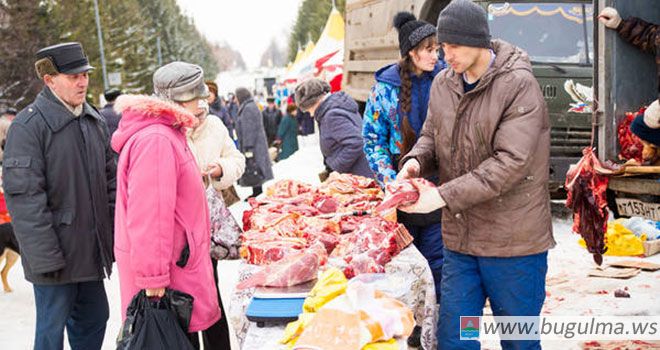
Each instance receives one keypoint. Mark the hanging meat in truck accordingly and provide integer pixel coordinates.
(586, 197)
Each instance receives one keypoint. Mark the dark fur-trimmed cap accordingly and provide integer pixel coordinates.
(67, 58)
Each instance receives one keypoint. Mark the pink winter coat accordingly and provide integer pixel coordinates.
(160, 205)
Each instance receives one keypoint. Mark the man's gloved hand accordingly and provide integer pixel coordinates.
(429, 198)
(411, 169)
(610, 17)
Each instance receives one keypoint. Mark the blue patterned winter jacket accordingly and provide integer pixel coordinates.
(381, 123)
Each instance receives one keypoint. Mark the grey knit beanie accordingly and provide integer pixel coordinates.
(310, 91)
(180, 82)
(464, 23)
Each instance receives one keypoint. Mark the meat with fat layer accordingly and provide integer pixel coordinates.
(290, 271)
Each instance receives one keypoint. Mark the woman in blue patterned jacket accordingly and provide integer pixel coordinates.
(393, 118)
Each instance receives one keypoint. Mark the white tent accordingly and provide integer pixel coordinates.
(335, 62)
(330, 44)
(292, 74)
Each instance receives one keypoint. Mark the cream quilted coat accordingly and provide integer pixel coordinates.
(210, 144)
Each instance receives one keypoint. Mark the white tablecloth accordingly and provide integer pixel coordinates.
(409, 269)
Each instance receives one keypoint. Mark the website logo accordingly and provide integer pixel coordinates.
(470, 327)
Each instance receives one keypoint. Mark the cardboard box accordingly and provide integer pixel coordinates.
(651, 247)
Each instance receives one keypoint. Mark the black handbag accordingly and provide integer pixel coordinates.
(252, 176)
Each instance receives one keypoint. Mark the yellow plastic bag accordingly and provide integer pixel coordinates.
(360, 316)
(620, 241)
(382, 345)
(331, 284)
(294, 329)
(341, 315)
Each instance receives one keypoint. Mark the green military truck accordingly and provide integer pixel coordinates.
(625, 80)
(558, 35)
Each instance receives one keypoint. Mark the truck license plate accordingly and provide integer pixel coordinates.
(634, 207)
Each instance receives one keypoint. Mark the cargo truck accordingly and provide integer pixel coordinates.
(558, 36)
(625, 80)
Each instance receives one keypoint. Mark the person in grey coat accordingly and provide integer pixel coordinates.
(108, 112)
(252, 143)
(59, 178)
(340, 127)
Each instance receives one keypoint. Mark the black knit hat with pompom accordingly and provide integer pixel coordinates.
(411, 31)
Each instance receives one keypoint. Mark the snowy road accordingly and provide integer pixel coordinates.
(569, 291)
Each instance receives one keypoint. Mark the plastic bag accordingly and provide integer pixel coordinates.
(342, 315)
(643, 228)
(225, 231)
(395, 285)
(157, 324)
(331, 283)
(620, 241)
(383, 345)
(360, 316)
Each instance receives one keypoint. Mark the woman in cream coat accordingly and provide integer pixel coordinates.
(217, 157)
(215, 152)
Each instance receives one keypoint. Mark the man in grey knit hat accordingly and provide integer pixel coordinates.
(487, 137)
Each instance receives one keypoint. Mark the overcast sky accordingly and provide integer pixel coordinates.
(247, 25)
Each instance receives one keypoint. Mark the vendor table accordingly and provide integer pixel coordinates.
(408, 269)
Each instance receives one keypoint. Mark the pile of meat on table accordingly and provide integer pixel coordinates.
(296, 229)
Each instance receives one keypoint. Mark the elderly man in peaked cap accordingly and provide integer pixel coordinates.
(59, 182)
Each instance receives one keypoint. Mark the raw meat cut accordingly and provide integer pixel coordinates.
(398, 193)
(347, 184)
(288, 189)
(271, 215)
(290, 271)
(631, 145)
(326, 204)
(401, 193)
(282, 234)
(369, 247)
(361, 202)
(321, 230)
(263, 252)
(586, 197)
(362, 263)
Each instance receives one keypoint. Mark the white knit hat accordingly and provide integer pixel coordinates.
(652, 115)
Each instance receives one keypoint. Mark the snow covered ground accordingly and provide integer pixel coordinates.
(569, 291)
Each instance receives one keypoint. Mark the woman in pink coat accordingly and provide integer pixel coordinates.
(161, 208)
